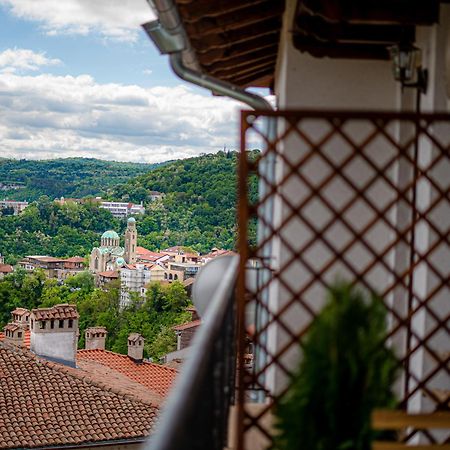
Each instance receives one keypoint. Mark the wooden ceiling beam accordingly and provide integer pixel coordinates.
(339, 50)
(235, 55)
(404, 12)
(250, 80)
(243, 69)
(225, 40)
(229, 22)
(194, 11)
(324, 31)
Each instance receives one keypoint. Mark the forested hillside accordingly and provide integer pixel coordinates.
(198, 210)
(47, 228)
(199, 206)
(69, 177)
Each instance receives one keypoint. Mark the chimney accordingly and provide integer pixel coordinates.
(95, 338)
(54, 333)
(14, 334)
(21, 317)
(136, 347)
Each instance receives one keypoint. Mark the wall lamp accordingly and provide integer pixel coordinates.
(407, 67)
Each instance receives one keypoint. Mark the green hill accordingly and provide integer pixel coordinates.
(199, 206)
(198, 209)
(68, 177)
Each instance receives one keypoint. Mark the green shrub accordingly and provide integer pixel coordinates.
(346, 371)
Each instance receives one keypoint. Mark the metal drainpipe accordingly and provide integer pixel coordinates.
(184, 63)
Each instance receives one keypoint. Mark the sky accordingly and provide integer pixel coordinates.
(80, 78)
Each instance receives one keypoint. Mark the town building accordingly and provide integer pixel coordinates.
(122, 210)
(16, 206)
(59, 268)
(155, 195)
(5, 269)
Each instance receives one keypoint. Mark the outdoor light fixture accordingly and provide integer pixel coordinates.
(407, 67)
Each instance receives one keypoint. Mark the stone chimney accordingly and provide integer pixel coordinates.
(21, 317)
(14, 334)
(54, 333)
(136, 347)
(95, 338)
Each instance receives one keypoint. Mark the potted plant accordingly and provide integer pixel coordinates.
(346, 371)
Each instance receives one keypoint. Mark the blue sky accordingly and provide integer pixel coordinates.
(80, 78)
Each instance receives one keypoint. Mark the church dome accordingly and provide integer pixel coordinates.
(120, 261)
(131, 219)
(110, 234)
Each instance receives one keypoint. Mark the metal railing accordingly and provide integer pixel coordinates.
(196, 413)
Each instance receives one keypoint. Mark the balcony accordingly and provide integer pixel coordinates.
(358, 195)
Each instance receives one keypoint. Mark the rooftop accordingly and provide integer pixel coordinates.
(186, 326)
(109, 274)
(62, 311)
(5, 268)
(45, 404)
(20, 311)
(155, 377)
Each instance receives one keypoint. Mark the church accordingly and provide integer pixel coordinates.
(110, 255)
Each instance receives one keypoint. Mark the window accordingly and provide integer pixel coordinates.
(19, 334)
(61, 323)
(42, 325)
(70, 323)
(52, 324)
(32, 323)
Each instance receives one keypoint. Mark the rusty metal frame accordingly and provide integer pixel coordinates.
(409, 153)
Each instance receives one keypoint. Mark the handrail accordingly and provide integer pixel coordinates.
(196, 411)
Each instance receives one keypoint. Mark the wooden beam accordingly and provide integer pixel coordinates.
(231, 21)
(244, 68)
(268, 27)
(252, 79)
(384, 445)
(337, 50)
(235, 50)
(404, 12)
(395, 420)
(242, 60)
(194, 11)
(322, 30)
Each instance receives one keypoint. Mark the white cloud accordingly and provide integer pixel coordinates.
(19, 59)
(113, 19)
(147, 71)
(48, 116)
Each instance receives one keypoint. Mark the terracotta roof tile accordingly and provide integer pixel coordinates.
(6, 268)
(109, 274)
(44, 404)
(155, 377)
(185, 326)
(20, 311)
(62, 311)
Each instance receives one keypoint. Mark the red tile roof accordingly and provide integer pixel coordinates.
(185, 326)
(62, 311)
(109, 274)
(155, 377)
(45, 404)
(6, 268)
(75, 259)
(11, 327)
(20, 311)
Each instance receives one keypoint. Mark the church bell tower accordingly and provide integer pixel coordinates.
(130, 241)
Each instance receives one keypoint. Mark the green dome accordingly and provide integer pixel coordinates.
(110, 234)
(120, 261)
(131, 219)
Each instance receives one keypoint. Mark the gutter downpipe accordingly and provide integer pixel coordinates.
(170, 37)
